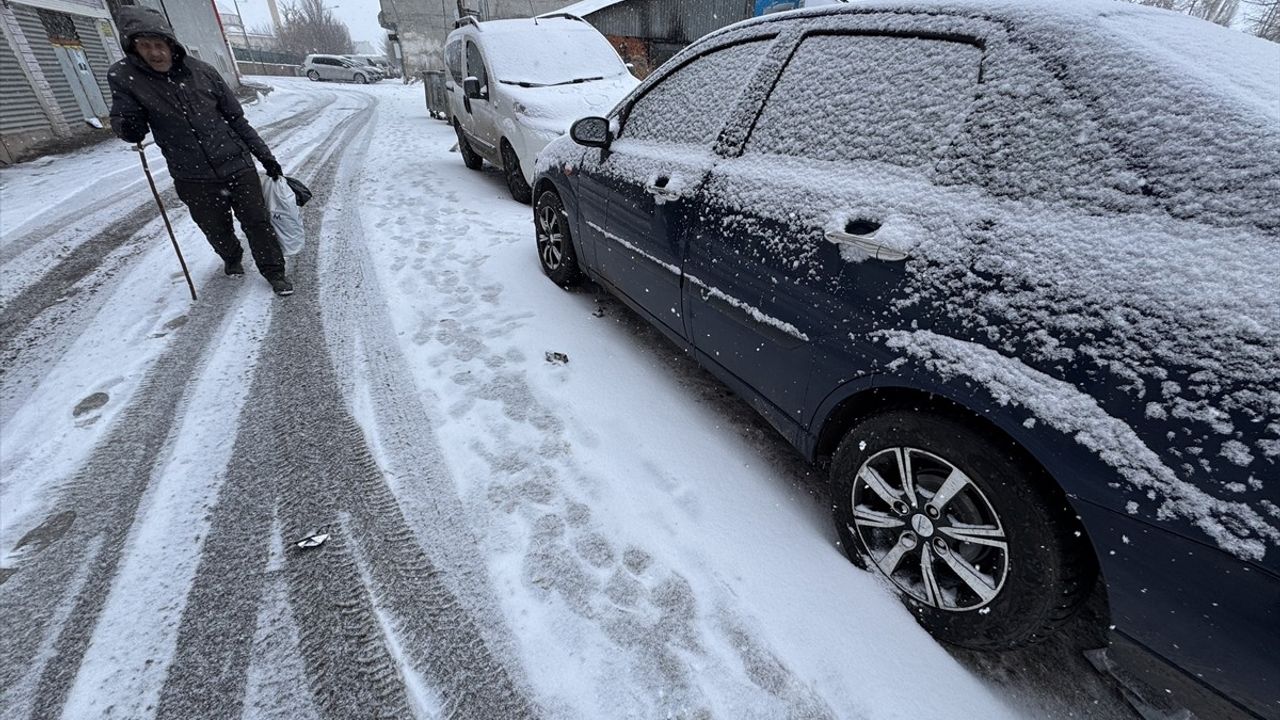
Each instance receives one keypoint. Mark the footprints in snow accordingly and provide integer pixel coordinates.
(38, 538)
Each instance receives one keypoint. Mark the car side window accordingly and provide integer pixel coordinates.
(1012, 144)
(692, 104)
(475, 64)
(882, 98)
(453, 57)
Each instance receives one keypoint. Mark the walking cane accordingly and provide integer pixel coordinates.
(140, 148)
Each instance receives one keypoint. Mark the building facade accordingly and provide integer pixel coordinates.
(647, 33)
(53, 72)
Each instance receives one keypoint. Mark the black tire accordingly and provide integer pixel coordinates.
(520, 190)
(555, 243)
(360, 79)
(1021, 593)
(470, 157)
(313, 76)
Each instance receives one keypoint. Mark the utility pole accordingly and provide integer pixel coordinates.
(247, 43)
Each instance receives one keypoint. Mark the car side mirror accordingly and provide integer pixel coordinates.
(471, 88)
(591, 132)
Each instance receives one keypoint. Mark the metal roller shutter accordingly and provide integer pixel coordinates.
(19, 109)
(38, 37)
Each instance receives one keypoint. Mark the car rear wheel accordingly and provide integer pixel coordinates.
(520, 189)
(965, 529)
(555, 244)
(313, 75)
(470, 157)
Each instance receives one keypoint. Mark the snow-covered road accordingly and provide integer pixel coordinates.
(511, 535)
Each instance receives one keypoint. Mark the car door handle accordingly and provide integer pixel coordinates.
(866, 242)
(661, 188)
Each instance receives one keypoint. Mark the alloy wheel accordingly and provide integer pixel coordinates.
(551, 236)
(929, 529)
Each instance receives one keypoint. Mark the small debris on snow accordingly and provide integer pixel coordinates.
(312, 541)
(557, 358)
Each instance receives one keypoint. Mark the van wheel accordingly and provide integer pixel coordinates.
(555, 244)
(470, 157)
(360, 79)
(984, 553)
(313, 75)
(520, 189)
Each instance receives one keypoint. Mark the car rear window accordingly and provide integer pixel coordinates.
(869, 97)
(691, 104)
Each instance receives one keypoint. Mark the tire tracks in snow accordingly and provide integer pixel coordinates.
(41, 641)
(381, 633)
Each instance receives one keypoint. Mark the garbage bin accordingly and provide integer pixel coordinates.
(437, 96)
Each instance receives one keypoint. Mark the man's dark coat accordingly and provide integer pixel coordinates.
(192, 113)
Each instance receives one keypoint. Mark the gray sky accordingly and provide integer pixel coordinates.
(361, 16)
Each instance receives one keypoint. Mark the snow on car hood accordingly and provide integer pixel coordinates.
(555, 108)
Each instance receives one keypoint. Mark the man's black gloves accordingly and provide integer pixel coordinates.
(273, 168)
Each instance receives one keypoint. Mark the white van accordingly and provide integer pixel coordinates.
(516, 85)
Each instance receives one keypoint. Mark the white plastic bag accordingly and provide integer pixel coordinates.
(286, 217)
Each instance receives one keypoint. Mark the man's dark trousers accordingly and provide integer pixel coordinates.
(211, 205)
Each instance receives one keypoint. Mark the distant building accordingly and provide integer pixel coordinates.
(647, 33)
(53, 72)
(423, 26)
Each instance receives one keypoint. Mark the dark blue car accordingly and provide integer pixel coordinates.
(1010, 271)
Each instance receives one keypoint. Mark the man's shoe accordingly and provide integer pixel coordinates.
(232, 267)
(281, 285)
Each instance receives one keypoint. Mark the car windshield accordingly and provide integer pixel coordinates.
(555, 52)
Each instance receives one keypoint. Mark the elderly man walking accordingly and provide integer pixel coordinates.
(201, 129)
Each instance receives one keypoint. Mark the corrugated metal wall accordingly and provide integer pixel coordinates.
(669, 21)
(19, 109)
(29, 19)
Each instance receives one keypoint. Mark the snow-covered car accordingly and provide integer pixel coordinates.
(336, 67)
(516, 85)
(1011, 270)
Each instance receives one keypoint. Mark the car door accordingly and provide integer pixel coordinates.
(794, 256)
(652, 171)
(479, 121)
(330, 69)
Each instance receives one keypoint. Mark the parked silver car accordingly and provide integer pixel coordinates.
(336, 67)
